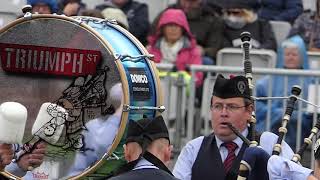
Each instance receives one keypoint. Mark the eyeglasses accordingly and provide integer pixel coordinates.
(218, 107)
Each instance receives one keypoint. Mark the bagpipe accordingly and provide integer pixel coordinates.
(255, 158)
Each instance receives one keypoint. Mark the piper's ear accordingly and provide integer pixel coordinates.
(126, 153)
(167, 154)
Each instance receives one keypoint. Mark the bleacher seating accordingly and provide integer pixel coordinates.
(6, 18)
(309, 4)
(314, 60)
(234, 57)
(9, 11)
(281, 30)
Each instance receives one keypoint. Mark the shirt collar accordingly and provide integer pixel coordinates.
(238, 141)
(144, 164)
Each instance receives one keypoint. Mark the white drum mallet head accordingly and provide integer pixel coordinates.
(13, 118)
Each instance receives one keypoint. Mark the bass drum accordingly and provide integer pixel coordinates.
(53, 61)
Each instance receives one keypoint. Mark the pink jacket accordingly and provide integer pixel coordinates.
(189, 54)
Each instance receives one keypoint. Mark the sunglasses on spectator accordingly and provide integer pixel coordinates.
(233, 12)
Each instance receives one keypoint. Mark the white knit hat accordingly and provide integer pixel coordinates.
(117, 14)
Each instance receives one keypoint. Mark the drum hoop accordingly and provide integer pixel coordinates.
(123, 78)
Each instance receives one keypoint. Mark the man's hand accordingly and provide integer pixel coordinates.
(33, 159)
(6, 155)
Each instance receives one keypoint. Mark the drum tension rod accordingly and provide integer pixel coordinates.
(123, 57)
(27, 11)
(127, 107)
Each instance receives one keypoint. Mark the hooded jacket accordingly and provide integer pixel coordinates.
(51, 3)
(277, 107)
(189, 54)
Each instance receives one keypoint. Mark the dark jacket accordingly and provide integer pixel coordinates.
(138, 18)
(260, 30)
(208, 164)
(147, 174)
(280, 10)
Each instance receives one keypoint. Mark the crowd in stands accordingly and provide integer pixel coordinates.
(193, 31)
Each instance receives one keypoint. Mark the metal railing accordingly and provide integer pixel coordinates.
(191, 109)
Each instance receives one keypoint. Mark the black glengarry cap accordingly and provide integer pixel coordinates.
(236, 86)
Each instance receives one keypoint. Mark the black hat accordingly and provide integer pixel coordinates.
(147, 130)
(236, 86)
(240, 4)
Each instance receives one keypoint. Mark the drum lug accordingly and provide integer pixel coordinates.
(126, 57)
(79, 21)
(27, 10)
(127, 107)
(112, 21)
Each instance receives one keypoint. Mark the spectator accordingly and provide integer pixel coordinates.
(218, 154)
(205, 24)
(307, 25)
(291, 55)
(137, 14)
(280, 10)
(118, 15)
(240, 16)
(71, 7)
(43, 6)
(174, 43)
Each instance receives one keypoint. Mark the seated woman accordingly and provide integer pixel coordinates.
(291, 55)
(174, 43)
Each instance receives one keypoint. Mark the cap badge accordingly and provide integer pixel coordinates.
(241, 86)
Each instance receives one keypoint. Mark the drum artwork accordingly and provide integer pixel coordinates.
(65, 72)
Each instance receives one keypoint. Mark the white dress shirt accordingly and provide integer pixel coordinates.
(183, 167)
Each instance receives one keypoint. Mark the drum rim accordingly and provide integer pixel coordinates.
(123, 79)
(121, 70)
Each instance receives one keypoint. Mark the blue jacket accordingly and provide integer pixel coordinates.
(277, 107)
(280, 10)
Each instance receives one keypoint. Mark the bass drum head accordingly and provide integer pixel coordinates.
(49, 62)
